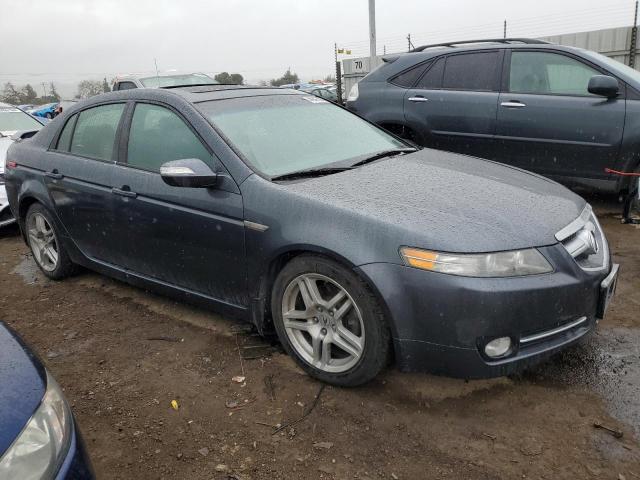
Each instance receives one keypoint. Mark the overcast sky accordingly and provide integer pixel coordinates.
(68, 40)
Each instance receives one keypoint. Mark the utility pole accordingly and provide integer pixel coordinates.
(44, 89)
(634, 39)
(504, 34)
(372, 34)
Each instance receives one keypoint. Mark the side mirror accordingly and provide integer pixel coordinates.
(190, 173)
(603, 85)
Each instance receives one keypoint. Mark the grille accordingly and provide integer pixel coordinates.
(585, 242)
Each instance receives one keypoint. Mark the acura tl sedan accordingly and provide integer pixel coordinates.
(289, 212)
(39, 439)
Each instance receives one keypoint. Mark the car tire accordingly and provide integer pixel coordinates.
(334, 328)
(43, 239)
(49, 115)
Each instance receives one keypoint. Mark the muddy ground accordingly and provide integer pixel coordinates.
(122, 355)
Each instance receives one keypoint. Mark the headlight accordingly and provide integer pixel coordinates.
(43, 444)
(499, 264)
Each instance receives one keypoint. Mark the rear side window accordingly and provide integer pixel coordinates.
(471, 71)
(158, 136)
(64, 142)
(95, 132)
(126, 86)
(409, 77)
(433, 78)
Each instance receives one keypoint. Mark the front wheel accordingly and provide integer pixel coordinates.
(329, 321)
(49, 115)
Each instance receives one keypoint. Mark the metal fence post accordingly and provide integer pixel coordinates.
(634, 39)
(338, 81)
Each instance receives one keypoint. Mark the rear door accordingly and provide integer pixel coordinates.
(79, 179)
(549, 123)
(453, 106)
(192, 238)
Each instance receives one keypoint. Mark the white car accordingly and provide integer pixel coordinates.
(15, 124)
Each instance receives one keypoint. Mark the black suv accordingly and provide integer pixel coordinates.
(560, 111)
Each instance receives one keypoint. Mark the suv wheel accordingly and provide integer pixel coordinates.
(329, 321)
(47, 251)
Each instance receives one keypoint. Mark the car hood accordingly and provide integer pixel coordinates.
(448, 202)
(22, 386)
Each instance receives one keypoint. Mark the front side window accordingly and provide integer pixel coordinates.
(158, 136)
(95, 132)
(280, 134)
(548, 73)
(476, 71)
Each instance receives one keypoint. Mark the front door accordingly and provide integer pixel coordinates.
(79, 179)
(549, 123)
(192, 238)
(453, 106)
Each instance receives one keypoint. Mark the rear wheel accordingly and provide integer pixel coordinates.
(43, 239)
(329, 321)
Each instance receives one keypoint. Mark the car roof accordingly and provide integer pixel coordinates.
(203, 93)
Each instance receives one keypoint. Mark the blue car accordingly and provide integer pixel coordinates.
(45, 111)
(39, 438)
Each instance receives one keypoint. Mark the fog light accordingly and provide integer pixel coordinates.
(498, 347)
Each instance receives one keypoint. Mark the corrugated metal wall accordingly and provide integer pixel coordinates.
(612, 42)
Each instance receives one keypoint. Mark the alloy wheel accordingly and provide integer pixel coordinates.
(43, 242)
(323, 323)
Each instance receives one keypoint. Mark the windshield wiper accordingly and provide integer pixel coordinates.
(383, 154)
(313, 172)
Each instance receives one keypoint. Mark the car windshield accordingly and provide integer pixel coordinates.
(13, 119)
(281, 134)
(174, 80)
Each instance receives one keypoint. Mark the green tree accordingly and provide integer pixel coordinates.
(10, 94)
(105, 85)
(53, 93)
(89, 88)
(286, 79)
(28, 94)
(229, 79)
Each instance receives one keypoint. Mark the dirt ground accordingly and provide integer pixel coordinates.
(122, 355)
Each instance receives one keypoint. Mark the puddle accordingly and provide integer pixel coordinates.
(29, 271)
(607, 363)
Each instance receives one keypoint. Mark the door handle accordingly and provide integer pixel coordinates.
(124, 193)
(513, 104)
(54, 174)
(418, 98)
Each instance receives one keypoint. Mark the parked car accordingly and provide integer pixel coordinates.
(564, 112)
(46, 111)
(127, 82)
(14, 124)
(322, 92)
(39, 438)
(254, 202)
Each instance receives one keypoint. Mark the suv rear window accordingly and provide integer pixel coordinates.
(471, 71)
(409, 77)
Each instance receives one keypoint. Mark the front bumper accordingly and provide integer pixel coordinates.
(76, 465)
(440, 322)
(6, 217)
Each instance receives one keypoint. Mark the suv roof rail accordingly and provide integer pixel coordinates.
(530, 41)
